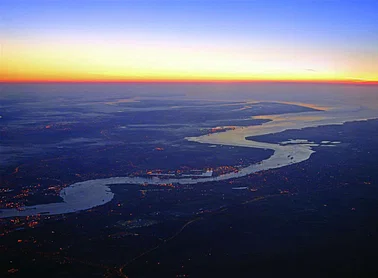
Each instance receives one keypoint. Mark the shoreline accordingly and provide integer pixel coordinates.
(92, 193)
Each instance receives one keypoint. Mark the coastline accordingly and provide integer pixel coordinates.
(92, 193)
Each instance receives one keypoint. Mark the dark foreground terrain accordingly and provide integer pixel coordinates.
(313, 219)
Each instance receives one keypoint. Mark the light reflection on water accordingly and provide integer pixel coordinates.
(354, 104)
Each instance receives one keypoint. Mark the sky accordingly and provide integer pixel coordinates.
(267, 40)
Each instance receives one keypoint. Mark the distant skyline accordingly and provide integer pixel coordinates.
(270, 40)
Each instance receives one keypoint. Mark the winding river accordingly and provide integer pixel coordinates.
(88, 194)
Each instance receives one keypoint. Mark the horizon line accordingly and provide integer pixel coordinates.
(201, 81)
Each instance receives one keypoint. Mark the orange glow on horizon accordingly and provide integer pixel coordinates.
(193, 80)
(82, 60)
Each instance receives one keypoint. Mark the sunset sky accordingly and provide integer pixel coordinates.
(189, 40)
